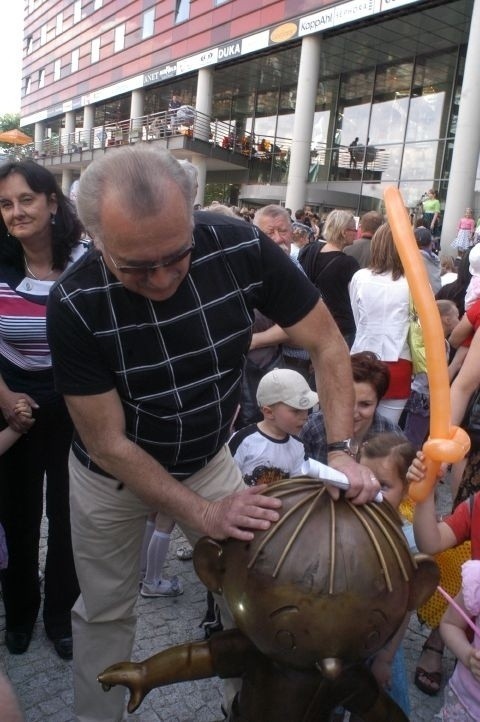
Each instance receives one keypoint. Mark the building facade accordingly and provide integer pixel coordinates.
(300, 101)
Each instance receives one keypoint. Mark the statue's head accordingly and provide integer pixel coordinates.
(325, 586)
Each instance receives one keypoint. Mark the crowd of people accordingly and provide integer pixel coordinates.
(161, 365)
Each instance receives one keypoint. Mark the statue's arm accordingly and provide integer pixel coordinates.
(224, 654)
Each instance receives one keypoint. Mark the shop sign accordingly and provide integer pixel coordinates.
(225, 52)
(159, 74)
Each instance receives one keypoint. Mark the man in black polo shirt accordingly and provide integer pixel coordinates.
(148, 334)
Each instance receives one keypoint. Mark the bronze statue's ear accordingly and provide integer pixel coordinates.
(209, 563)
(425, 580)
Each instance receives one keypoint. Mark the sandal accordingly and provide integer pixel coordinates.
(432, 681)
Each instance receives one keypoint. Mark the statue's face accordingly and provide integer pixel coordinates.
(295, 620)
(334, 583)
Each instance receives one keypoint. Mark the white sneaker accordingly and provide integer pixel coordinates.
(185, 553)
(165, 588)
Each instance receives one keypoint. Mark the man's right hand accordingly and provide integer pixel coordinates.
(240, 514)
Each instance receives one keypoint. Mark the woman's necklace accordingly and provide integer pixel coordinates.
(32, 274)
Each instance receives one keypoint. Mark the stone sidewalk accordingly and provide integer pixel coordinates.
(43, 681)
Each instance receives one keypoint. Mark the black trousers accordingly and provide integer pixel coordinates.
(39, 457)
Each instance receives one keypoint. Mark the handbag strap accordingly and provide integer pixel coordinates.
(412, 311)
(315, 280)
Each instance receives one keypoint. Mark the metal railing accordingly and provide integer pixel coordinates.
(269, 157)
(185, 121)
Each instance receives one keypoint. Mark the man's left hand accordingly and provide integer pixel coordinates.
(364, 486)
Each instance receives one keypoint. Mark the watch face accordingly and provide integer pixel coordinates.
(353, 447)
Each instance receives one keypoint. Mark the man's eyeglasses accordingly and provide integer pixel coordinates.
(144, 268)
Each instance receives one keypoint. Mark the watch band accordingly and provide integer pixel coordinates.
(347, 446)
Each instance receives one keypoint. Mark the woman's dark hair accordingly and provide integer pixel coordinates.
(456, 290)
(367, 368)
(390, 444)
(66, 231)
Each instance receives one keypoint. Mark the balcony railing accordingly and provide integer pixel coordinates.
(185, 121)
(269, 158)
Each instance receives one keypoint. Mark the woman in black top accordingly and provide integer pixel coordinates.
(331, 270)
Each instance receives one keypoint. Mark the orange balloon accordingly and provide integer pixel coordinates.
(446, 443)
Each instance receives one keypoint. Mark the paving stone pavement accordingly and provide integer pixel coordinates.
(43, 681)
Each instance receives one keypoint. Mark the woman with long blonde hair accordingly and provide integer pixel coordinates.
(380, 303)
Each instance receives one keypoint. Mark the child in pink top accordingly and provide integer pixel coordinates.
(465, 231)
(462, 695)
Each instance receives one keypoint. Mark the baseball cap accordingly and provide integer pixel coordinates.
(286, 386)
(474, 260)
(296, 226)
(303, 229)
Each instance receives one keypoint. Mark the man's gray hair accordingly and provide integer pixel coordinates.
(271, 211)
(136, 176)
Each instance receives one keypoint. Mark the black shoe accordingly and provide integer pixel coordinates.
(64, 647)
(17, 642)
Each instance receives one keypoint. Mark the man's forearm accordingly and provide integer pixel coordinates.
(334, 381)
(148, 479)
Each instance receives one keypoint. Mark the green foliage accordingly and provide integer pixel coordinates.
(221, 192)
(9, 121)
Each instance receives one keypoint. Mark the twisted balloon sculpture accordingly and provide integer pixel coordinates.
(446, 443)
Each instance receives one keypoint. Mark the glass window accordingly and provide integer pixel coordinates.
(28, 84)
(29, 42)
(148, 23)
(393, 80)
(43, 35)
(419, 160)
(75, 60)
(57, 68)
(353, 111)
(77, 11)
(284, 128)
(41, 78)
(390, 103)
(321, 122)
(387, 124)
(59, 24)
(425, 116)
(95, 52)
(119, 42)
(388, 161)
(432, 83)
(220, 2)
(265, 128)
(182, 10)
(352, 122)
(113, 111)
(97, 4)
(320, 153)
